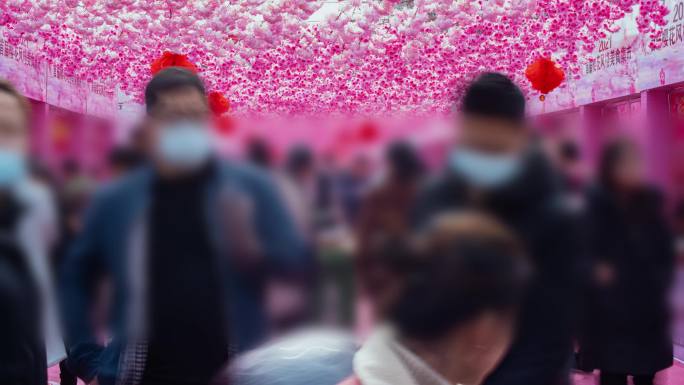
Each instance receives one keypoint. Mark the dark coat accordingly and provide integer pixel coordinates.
(533, 207)
(22, 347)
(252, 234)
(627, 321)
(385, 215)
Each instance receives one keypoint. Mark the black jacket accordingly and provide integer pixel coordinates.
(532, 206)
(22, 348)
(627, 322)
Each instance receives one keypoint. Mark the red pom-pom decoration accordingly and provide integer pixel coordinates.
(224, 125)
(170, 59)
(218, 104)
(545, 75)
(368, 132)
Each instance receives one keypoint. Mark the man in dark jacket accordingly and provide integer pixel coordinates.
(187, 241)
(22, 351)
(496, 168)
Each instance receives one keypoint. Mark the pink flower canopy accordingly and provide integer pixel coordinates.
(372, 56)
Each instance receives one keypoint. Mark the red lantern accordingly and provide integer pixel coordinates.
(218, 103)
(171, 59)
(545, 75)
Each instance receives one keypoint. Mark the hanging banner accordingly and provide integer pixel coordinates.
(46, 83)
(23, 70)
(100, 101)
(623, 64)
(66, 92)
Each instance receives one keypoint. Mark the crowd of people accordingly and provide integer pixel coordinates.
(505, 266)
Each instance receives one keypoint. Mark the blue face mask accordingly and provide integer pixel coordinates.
(483, 170)
(185, 145)
(13, 167)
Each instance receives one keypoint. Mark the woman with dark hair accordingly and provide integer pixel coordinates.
(632, 256)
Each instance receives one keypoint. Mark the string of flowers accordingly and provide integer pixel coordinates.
(373, 56)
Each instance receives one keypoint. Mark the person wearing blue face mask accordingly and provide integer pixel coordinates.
(29, 330)
(496, 168)
(188, 241)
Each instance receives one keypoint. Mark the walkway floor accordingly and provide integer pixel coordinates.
(672, 376)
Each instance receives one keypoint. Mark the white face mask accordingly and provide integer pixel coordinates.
(185, 144)
(13, 167)
(485, 170)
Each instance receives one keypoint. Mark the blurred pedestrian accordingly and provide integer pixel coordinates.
(353, 187)
(287, 297)
(452, 306)
(679, 230)
(31, 338)
(188, 242)
(570, 166)
(74, 180)
(385, 211)
(290, 183)
(627, 330)
(122, 160)
(259, 153)
(496, 168)
(300, 170)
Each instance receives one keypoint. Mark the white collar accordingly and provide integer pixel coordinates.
(383, 361)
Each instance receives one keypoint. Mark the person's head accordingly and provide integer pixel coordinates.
(41, 172)
(70, 168)
(360, 166)
(569, 153)
(259, 152)
(403, 161)
(139, 141)
(493, 132)
(463, 283)
(679, 216)
(300, 161)
(14, 121)
(568, 159)
(179, 120)
(621, 166)
(123, 159)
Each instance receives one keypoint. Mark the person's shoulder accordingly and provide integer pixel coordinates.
(35, 195)
(121, 188)
(563, 208)
(436, 184)
(353, 380)
(653, 195)
(245, 175)
(321, 357)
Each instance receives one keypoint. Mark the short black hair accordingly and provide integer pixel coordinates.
(71, 166)
(404, 160)
(494, 95)
(168, 79)
(570, 151)
(259, 152)
(299, 158)
(679, 210)
(612, 154)
(124, 157)
(468, 264)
